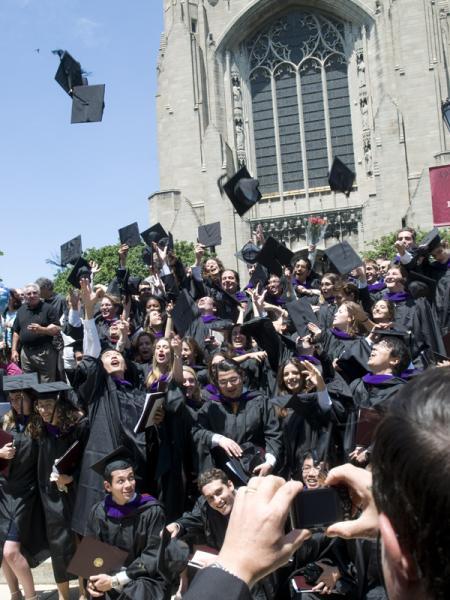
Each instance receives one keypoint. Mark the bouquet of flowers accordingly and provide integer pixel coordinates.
(315, 230)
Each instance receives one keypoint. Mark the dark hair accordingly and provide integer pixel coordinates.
(195, 348)
(235, 273)
(411, 474)
(350, 290)
(398, 350)
(390, 305)
(67, 416)
(44, 283)
(281, 386)
(370, 261)
(211, 475)
(15, 298)
(161, 302)
(248, 340)
(410, 230)
(137, 339)
(305, 259)
(226, 366)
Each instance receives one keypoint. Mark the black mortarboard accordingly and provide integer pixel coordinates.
(420, 285)
(242, 190)
(259, 275)
(71, 251)
(155, 233)
(184, 312)
(50, 388)
(274, 255)
(120, 458)
(88, 102)
(343, 258)
(340, 177)
(132, 285)
(80, 270)
(129, 235)
(69, 73)
(210, 235)
(248, 253)
(402, 334)
(25, 381)
(301, 313)
(430, 242)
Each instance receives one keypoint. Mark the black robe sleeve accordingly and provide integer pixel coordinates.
(216, 583)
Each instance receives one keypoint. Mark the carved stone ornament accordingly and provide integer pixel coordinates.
(213, 2)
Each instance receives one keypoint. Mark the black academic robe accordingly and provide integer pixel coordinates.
(173, 464)
(217, 583)
(139, 534)
(20, 501)
(113, 411)
(333, 345)
(58, 506)
(368, 395)
(325, 314)
(442, 303)
(255, 421)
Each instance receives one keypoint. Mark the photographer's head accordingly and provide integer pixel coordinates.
(411, 474)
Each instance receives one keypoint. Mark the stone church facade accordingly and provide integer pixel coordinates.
(283, 86)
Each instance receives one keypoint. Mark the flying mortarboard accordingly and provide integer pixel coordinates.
(430, 242)
(210, 235)
(259, 275)
(301, 313)
(343, 258)
(184, 312)
(88, 103)
(155, 233)
(340, 177)
(25, 381)
(274, 256)
(147, 256)
(248, 253)
(242, 190)
(129, 235)
(118, 459)
(71, 251)
(80, 270)
(69, 73)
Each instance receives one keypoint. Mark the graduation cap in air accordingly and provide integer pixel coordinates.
(259, 276)
(274, 256)
(129, 235)
(343, 258)
(242, 190)
(184, 312)
(69, 73)
(147, 256)
(340, 177)
(430, 242)
(248, 253)
(88, 103)
(71, 251)
(118, 459)
(80, 270)
(25, 381)
(155, 233)
(301, 313)
(210, 235)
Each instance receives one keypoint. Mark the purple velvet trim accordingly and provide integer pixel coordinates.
(208, 318)
(342, 335)
(305, 284)
(241, 296)
(52, 430)
(330, 299)
(119, 381)
(158, 334)
(376, 287)
(279, 300)
(309, 358)
(154, 387)
(376, 379)
(397, 296)
(213, 391)
(408, 373)
(117, 511)
(239, 351)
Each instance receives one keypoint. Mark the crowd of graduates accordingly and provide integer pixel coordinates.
(188, 382)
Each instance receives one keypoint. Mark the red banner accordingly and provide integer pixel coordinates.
(440, 194)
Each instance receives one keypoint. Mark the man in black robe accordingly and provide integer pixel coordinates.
(132, 522)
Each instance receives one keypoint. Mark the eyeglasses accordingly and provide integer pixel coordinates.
(231, 381)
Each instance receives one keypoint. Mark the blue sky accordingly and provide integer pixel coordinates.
(58, 180)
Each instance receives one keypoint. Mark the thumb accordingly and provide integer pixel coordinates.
(345, 529)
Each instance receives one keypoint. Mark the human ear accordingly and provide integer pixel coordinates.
(400, 559)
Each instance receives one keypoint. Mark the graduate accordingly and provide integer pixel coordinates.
(130, 521)
(22, 537)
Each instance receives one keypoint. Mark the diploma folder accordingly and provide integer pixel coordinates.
(5, 438)
(69, 461)
(368, 419)
(152, 403)
(94, 557)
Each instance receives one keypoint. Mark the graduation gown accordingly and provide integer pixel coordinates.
(138, 533)
(58, 506)
(442, 303)
(255, 421)
(369, 395)
(20, 501)
(113, 410)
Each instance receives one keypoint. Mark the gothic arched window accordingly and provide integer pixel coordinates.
(300, 101)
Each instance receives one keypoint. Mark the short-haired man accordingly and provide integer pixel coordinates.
(405, 245)
(35, 326)
(132, 522)
(49, 296)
